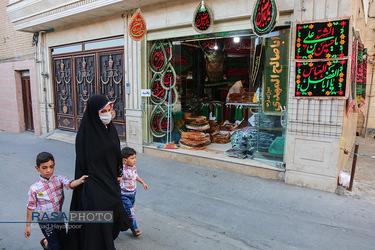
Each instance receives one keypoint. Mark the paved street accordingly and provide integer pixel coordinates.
(193, 207)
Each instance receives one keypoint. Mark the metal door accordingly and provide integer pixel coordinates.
(79, 76)
(111, 85)
(65, 108)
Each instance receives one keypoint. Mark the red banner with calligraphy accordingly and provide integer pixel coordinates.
(137, 26)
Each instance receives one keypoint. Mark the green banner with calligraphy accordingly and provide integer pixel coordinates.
(276, 72)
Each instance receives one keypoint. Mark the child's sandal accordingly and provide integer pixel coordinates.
(43, 243)
(137, 233)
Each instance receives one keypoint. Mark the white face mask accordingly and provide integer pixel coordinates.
(105, 118)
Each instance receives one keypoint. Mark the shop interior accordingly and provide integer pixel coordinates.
(215, 103)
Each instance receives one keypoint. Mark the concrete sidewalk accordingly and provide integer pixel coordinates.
(194, 207)
(364, 179)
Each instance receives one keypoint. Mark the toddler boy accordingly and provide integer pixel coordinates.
(129, 184)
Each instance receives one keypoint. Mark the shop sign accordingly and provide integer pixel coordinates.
(137, 26)
(276, 72)
(203, 18)
(265, 14)
(321, 79)
(322, 40)
(145, 92)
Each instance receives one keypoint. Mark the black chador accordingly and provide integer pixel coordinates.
(98, 155)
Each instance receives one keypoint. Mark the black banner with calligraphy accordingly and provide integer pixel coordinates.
(264, 18)
(158, 58)
(321, 79)
(203, 18)
(322, 40)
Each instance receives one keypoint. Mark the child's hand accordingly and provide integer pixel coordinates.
(119, 180)
(145, 186)
(82, 179)
(27, 231)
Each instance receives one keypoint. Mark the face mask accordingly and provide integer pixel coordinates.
(105, 117)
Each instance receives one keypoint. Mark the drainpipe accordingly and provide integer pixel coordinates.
(44, 75)
(369, 98)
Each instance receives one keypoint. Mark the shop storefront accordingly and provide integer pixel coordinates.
(226, 96)
(224, 93)
(211, 88)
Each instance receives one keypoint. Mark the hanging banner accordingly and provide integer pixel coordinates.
(168, 49)
(361, 75)
(257, 61)
(137, 26)
(321, 79)
(351, 103)
(203, 18)
(322, 57)
(265, 15)
(276, 72)
(322, 40)
(158, 58)
(168, 77)
(158, 93)
(157, 115)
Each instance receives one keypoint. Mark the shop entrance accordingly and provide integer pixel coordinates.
(78, 76)
(208, 95)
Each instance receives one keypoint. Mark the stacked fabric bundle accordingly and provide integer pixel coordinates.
(235, 97)
(221, 138)
(192, 140)
(214, 127)
(197, 123)
(227, 126)
(245, 97)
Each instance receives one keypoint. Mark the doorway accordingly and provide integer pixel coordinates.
(27, 102)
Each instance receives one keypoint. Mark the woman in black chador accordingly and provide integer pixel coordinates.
(98, 155)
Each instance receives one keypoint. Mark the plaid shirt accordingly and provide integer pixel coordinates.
(48, 195)
(129, 179)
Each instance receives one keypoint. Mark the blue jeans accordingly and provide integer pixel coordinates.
(55, 234)
(128, 201)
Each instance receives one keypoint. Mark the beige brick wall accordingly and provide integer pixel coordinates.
(14, 45)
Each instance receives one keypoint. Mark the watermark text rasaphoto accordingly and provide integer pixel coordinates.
(73, 217)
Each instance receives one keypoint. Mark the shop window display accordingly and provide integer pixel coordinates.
(215, 96)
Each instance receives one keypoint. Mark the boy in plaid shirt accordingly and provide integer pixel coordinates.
(129, 184)
(47, 196)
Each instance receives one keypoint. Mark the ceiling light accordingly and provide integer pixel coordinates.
(236, 39)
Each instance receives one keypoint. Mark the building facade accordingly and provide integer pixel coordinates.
(18, 82)
(84, 48)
